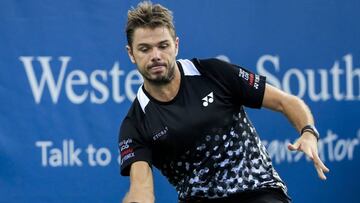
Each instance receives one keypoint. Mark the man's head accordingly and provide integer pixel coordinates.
(148, 15)
(152, 43)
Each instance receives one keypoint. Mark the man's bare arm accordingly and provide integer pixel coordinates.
(298, 113)
(141, 184)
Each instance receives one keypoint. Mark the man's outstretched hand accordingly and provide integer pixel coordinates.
(307, 143)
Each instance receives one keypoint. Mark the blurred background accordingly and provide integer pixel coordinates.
(66, 83)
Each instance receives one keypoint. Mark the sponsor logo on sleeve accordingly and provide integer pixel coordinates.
(126, 151)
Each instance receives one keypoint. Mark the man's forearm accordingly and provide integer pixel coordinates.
(141, 184)
(297, 112)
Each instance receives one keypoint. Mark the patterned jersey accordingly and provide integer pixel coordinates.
(202, 140)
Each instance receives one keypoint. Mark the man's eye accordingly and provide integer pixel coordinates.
(163, 46)
(143, 49)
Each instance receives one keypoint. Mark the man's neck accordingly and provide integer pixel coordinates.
(166, 92)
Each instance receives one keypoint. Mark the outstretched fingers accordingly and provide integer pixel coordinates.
(298, 147)
(294, 147)
(319, 166)
(311, 151)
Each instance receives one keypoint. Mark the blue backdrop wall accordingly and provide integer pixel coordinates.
(66, 83)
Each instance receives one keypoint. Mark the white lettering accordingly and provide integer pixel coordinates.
(330, 148)
(47, 77)
(74, 154)
(324, 92)
(329, 141)
(115, 74)
(90, 150)
(76, 77)
(300, 78)
(336, 72)
(306, 80)
(95, 87)
(350, 74)
(103, 90)
(56, 157)
(44, 145)
(80, 87)
(103, 152)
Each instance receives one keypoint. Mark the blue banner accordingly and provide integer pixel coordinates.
(66, 83)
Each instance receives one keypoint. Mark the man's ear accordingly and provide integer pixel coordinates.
(176, 46)
(130, 53)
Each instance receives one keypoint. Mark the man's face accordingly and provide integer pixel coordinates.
(154, 52)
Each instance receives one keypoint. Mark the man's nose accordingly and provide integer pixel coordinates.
(155, 54)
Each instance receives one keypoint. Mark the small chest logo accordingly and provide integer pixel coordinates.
(160, 134)
(208, 99)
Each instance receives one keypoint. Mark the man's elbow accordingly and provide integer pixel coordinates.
(290, 102)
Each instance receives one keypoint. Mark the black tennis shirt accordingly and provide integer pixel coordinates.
(202, 140)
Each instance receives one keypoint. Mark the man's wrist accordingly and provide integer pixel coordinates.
(311, 129)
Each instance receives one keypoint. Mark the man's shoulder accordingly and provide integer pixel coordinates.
(205, 62)
(135, 108)
(203, 66)
(212, 66)
(135, 112)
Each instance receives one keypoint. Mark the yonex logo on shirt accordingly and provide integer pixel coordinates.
(208, 99)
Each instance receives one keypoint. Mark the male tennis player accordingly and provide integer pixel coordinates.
(188, 120)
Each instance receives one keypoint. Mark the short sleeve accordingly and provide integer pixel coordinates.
(132, 147)
(246, 87)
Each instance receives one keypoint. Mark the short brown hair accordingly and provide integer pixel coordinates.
(148, 15)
